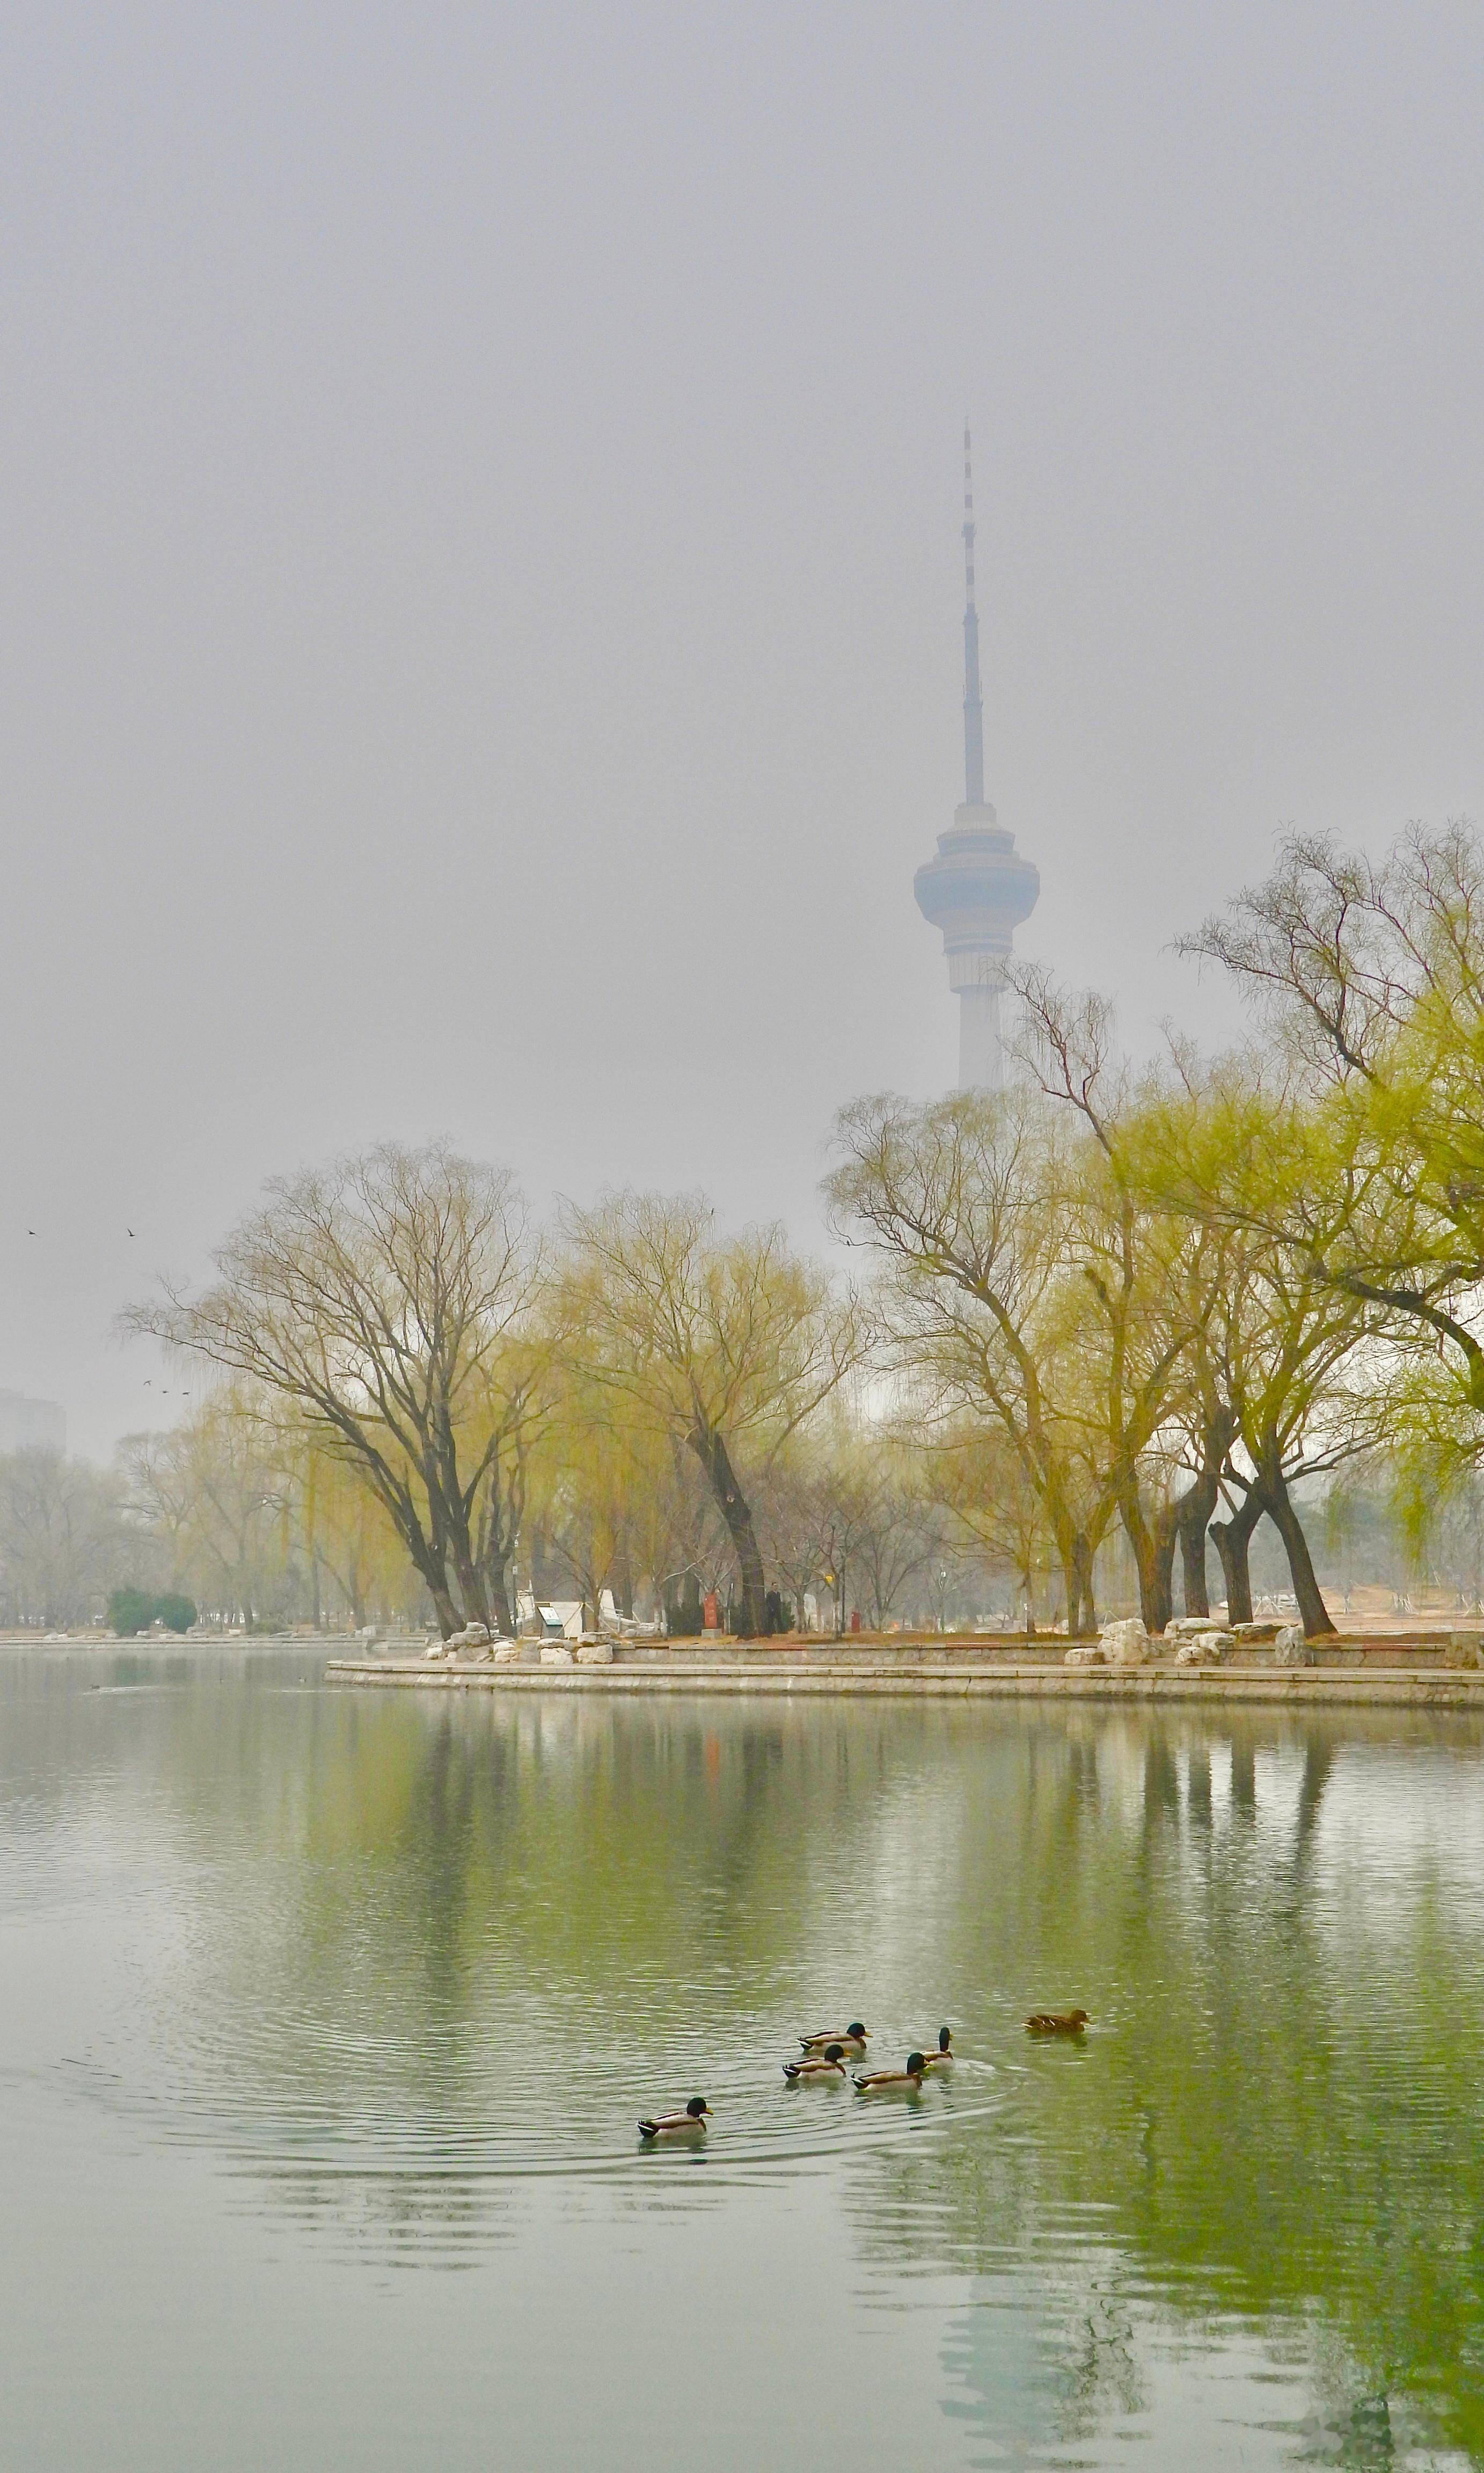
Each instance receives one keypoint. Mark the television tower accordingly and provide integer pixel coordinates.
(975, 890)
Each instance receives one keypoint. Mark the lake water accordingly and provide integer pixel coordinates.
(327, 2019)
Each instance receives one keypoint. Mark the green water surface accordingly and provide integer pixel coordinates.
(327, 2019)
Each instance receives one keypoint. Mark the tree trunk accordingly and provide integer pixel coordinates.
(471, 1579)
(1153, 1558)
(1084, 1612)
(1072, 1588)
(496, 1554)
(498, 1535)
(1232, 1539)
(1192, 1519)
(1197, 1506)
(711, 1450)
(1075, 1556)
(1313, 1613)
(1026, 1575)
(443, 1607)
(428, 1561)
(351, 1590)
(498, 1596)
(1163, 1536)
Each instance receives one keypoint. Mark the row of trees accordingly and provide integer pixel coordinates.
(1174, 1298)
(263, 1531)
(67, 1538)
(1162, 1303)
(413, 1378)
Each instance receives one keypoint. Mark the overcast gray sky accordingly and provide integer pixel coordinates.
(481, 579)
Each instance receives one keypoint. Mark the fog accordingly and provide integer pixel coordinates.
(481, 583)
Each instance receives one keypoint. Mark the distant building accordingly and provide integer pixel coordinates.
(30, 1424)
(976, 890)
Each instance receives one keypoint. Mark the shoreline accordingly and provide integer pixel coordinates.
(1433, 1687)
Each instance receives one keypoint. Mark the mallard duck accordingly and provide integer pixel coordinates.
(829, 2064)
(1056, 2022)
(943, 2058)
(895, 2082)
(851, 2040)
(691, 2122)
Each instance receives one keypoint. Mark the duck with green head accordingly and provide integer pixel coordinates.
(907, 2082)
(851, 2040)
(689, 2123)
(829, 2064)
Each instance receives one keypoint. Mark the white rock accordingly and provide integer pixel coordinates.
(1186, 1627)
(1205, 1647)
(1126, 1644)
(594, 1652)
(1291, 1648)
(1088, 1653)
(1464, 1648)
(506, 1652)
(556, 1652)
(435, 1649)
(475, 1635)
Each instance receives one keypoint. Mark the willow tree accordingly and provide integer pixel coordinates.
(727, 1344)
(219, 1493)
(1031, 1292)
(391, 1301)
(1154, 1279)
(1373, 975)
(961, 1199)
(348, 1536)
(1290, 1357)
(977, 1479)
(608, 1501)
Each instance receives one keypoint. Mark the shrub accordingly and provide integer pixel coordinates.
(129, 1612)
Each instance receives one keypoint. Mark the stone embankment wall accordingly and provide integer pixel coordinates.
(1414, 1673)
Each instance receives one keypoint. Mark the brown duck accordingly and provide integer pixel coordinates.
(1056, 2022)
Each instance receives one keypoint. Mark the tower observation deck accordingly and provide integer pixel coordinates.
(976, 890)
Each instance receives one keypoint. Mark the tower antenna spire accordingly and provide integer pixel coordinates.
(977, 890)
(973, 696)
